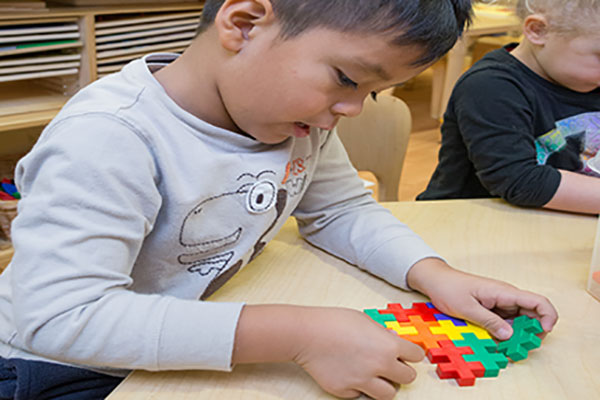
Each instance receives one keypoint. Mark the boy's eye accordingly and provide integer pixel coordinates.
(345, 81)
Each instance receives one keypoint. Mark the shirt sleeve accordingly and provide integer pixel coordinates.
(89, 198)
(495, 118)
(338, 215)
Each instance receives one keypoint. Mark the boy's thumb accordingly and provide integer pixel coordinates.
(492, 322)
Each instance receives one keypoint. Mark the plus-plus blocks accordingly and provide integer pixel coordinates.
(523, 339)
(461, 350)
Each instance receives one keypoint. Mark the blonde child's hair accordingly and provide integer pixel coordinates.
(564, 16)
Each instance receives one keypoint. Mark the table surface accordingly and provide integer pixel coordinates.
(544, 251)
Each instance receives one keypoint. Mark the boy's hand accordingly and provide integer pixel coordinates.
(487, 302)
(345, 351)
(348, 354)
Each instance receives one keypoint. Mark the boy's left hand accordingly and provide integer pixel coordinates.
(486, 302)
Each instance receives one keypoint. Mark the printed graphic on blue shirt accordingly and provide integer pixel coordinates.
(573, 145)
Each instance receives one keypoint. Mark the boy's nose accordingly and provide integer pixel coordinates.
(348, 108)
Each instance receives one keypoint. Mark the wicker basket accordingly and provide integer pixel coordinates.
(8, 211)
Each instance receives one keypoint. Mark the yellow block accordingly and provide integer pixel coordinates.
(401, 330)
(455, 332)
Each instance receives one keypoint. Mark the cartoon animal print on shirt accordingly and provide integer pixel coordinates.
(258, 247)
(571, 144)
(210, 236)
(568, 156)
(295, 176)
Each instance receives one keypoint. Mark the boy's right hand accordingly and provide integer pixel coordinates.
(347, 353)
(344, 350)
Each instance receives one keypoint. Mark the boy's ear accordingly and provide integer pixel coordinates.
(535, 28)
(236, 19)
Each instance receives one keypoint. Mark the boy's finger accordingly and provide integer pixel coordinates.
(498, 327)
(378, 388)
(400, 373)
(408, 351)
(540, 308)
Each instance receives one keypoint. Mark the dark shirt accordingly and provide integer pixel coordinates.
(39, 380)
(507, 131)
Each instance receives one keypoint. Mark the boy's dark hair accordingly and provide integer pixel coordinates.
(432, 25)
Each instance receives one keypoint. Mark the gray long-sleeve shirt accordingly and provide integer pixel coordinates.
(134, 211)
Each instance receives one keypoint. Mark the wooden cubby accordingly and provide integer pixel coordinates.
(34, 102)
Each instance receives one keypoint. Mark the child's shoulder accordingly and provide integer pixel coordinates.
(497, 62)
(120, 91)
(497, 70)
(130, 100)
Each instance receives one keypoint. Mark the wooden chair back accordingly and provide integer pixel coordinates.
(376, 141)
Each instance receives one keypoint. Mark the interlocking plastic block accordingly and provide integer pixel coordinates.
(378, 317)
(401, 330)
(424, 337)
(400, 313)
(460, 349)
(523, 339)
(9, 188)
(6, 196)
(451, 364)
(427, 311)
(477, 330)
(446, 327)
(455, 321)
(484, 351)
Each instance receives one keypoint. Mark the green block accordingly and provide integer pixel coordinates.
(484, 351)
(379, 318)
(523, 340)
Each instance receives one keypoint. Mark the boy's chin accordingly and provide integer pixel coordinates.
(271, 139)
(583, 88)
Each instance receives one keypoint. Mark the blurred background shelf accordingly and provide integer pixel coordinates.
(5, 257)
(47, 57)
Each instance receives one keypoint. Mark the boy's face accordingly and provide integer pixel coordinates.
(274, 89)
(572, 62)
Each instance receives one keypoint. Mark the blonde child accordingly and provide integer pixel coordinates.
(524, 122)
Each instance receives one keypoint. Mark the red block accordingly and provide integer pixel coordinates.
(420, 309)
(426, 312)
(452, 365)
(399, 312)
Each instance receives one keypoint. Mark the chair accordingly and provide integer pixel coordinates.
(376, 141)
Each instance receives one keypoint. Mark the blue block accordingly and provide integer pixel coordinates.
(455, 321)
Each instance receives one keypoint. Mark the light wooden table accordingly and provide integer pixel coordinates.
(543, 251)
(446, 73)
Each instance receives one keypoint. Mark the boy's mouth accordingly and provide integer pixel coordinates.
(301, 129)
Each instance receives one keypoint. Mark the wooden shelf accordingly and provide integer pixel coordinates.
(5, 257)
(54, 12)
(26, 104)
(32, 103)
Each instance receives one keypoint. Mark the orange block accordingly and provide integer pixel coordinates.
(424, 337)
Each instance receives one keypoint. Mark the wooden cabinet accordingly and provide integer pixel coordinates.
(87, 43)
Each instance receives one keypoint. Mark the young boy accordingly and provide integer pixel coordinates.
(154, 186)
(524, 123)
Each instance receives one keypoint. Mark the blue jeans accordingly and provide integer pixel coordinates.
(37, 380)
